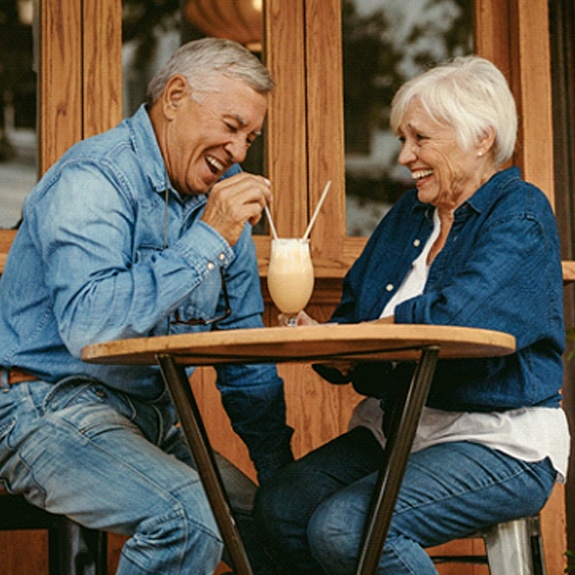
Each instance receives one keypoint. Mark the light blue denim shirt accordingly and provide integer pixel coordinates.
(101, 255)
(499, 269)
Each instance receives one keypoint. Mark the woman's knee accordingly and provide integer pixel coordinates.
(268, 510)
(334, 536)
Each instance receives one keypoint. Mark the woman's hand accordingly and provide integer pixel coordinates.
(344, 367)
(301, 319)
(383, 320)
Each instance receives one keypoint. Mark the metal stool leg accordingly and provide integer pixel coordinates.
(512, 548)
(537, 555)
(508, 547)
(79, 550)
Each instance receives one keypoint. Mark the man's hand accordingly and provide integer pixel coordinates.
(235, 201)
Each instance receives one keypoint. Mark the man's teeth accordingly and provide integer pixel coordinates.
(215, 163)
(421, 174)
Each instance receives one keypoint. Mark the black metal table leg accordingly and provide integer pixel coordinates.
(396, 455)
(199, 444)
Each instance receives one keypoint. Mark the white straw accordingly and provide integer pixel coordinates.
(313, 218)
(271, 222)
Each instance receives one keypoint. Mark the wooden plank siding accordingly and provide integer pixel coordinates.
(80, 95)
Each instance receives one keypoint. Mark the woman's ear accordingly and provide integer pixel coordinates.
(486, 141)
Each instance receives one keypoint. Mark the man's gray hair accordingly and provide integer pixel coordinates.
(469, 94)
(204, 62)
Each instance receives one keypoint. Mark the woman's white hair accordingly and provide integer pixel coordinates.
(469, 94)
(203, 63)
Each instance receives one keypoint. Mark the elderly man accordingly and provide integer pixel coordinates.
(143, 230)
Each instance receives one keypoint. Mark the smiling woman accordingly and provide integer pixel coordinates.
(400, 38)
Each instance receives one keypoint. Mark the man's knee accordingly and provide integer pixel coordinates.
(180, 537)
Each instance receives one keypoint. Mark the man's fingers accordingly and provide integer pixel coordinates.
(235, 201)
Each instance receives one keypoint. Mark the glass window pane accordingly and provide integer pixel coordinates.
(386, 42)
(18, 142)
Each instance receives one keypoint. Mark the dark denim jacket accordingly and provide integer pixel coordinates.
(500, 269)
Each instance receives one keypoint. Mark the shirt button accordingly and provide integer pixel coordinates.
(416, 243)
(222, 257)
(389, 287)
(211, 265)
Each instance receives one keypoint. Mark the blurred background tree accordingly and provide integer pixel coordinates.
(17, 78)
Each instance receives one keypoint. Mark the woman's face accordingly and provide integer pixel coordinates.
(444, 173)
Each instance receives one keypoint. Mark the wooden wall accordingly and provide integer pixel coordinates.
(80, 94)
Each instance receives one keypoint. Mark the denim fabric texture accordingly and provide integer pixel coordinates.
(312, 513)
(107, 249)
(118, 464)
(500, 269)
(89, 264)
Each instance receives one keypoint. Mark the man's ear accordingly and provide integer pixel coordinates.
(175, 92)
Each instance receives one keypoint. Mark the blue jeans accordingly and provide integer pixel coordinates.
(313, 511)
(112, 463)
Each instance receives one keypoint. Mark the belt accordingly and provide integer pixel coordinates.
(17, 375)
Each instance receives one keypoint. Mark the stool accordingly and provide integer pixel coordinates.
(512, 548)
(72, 549)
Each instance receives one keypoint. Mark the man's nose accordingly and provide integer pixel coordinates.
(237, 150)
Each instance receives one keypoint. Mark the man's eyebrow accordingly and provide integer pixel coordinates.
(241, 121)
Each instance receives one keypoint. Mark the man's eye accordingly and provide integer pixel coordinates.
(233, 129)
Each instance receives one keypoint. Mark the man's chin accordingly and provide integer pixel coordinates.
(200, 188)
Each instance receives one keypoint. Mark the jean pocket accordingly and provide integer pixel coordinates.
(5, 429)
(73, 391)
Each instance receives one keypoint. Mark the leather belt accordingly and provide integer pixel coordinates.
(17, 375)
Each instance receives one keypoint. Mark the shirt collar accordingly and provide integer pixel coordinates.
(146, 145)
(484, 197)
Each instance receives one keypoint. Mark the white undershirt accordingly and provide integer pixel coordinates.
(529, 433)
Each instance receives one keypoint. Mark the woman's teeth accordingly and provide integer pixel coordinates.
(421, 174)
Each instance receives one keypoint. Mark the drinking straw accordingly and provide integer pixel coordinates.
(271, 222)
(313, 218)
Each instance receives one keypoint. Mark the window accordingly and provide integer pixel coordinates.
(384, 44)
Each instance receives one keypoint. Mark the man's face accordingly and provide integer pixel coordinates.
(209, 133)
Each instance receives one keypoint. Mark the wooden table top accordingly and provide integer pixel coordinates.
(396, 342)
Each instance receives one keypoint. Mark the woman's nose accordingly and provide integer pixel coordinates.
(407, 154)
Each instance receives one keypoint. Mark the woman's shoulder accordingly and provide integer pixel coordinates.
(514, 193)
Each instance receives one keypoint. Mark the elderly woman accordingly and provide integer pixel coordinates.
(473, 245)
